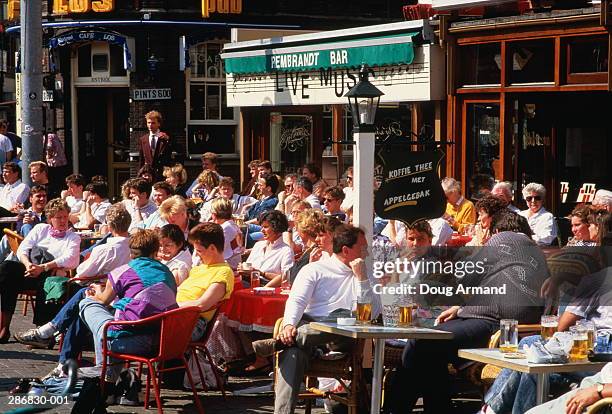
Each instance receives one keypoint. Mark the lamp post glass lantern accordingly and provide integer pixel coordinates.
(363, 101)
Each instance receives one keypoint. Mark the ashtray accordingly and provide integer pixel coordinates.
(263, 291)
(346, 321)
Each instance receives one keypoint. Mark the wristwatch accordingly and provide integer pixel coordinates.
(600, 388)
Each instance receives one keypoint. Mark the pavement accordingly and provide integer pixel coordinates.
(17, 361)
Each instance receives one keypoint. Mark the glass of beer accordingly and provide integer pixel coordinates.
(364, 309)
(508, 339)
(549, 324)
(580, 349)
(406, 314)
(255, 281)
(591, 331)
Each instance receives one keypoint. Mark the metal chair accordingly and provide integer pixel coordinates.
(175, 329)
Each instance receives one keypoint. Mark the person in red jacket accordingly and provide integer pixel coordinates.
(155, 147)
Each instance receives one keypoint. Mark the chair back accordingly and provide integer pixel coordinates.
(14, 239)
(176, 328)
(213, 320)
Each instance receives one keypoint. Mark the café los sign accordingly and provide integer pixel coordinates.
(321, 73)
(410, 190)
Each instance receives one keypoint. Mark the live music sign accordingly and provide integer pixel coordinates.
(152, 94)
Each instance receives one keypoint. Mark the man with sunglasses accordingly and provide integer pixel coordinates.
(332, 200)
(541, 221)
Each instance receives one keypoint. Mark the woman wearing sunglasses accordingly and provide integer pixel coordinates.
(541, 221)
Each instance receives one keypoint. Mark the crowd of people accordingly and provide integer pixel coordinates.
(167, 243)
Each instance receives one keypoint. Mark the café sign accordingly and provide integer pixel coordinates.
(152, 94)
(61, 7)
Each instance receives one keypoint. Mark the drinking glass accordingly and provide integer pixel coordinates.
(391, 315)
(549, 324)
(286, 281)
(97, 230)
(508, 340)
(591, 331)
(364, 309)
(255, 278)
(406, 312)
(580, 348)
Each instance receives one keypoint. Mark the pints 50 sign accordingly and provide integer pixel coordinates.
(221, 6)
(82, 6)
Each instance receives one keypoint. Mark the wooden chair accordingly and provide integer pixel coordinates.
(347, 368)
(600, 406)
(28, 296)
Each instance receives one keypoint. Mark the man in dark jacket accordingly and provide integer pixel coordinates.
(155, 147)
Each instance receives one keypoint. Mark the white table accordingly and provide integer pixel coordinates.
(379, 334)
(495, 357)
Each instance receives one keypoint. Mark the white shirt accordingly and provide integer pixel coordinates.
(542, 225)
(98, 211)
(313, 200)
(320, 288)
(514, 209)
(154, 221)
(273, 258)
(238, 203)
(12, 194)
(347, 203)
(65, 250)
(74, 203)
(180, 265)
(231, 255)
(5, 146)
(442, 231)
(105, 257)
(145, 211)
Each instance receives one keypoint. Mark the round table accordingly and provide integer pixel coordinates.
(250, 312)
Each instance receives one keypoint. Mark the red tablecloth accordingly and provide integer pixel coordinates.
(458, 240)
(250, 312)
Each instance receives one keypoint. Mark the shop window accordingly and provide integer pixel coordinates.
(84, 58)
(209, 116)
(101, 60)
(587, 60)
(531, 62)
(482, 125)
(480, 65)
(116, 61)
(99, 63)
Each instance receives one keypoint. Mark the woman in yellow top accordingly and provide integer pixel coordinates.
(212, 281)
(460, 212)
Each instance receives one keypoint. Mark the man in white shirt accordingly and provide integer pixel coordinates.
(304, 192)
(74, 195)
(94, 208)
(161, 192)
(6, 148)
(503, 191)
(14, 193)
(319, 289)
(139, 205)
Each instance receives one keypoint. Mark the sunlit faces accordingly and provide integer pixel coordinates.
(502, 194)
(309, 175)
(325, 240)
(484, 219)
(38, 201)
(141, 198)
(167, 249)
(180, 219)
(452, 196)
(60, 220)
(593, 231)
(358, 251)
(159, 196)
(418, 242)
(204, 253)
(332, 204)
(37, 175)
(580, 229)
(268, 232)
(75, 190)
(153, 124)
(534, 201)
(226, 191)
(208, 165)
(9, 176)
(173, 180)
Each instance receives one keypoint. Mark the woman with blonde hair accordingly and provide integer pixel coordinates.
(176, 176)
(206, 187)
(174, 210)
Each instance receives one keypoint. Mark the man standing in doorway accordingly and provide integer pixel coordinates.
(155, 147)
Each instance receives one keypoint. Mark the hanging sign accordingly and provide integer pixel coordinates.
(82, 6)
(221, 6)
(70, 38)
(152, 94)
(410, 189)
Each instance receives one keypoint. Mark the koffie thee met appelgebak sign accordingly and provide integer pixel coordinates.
(411, 189)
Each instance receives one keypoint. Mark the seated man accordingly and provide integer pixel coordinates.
(226, 191)
(74, 195)
(28, 219)
(161, 192)
(139, 206)
(103, 259)
(332, 200)
(459, 211)
(267, 184)
(14, 193)
(303, 189)
(94, 208)
(320, 288)
(210, 282)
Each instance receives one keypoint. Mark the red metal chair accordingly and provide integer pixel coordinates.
(201, 345)
(176, 327)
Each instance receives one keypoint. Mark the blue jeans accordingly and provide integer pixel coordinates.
(96, 315)
(68, 322)
(515, 392)
(254, 234)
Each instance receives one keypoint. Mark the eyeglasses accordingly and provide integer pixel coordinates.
(326, 199)
(349, 178)
(533, 198)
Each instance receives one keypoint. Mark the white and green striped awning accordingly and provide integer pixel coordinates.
(372, 51)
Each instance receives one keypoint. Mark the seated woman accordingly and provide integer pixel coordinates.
(221, 214)
(174, 211)
(143, 277)
(47, 249)
(542, 222)
(271, 256)
(206, 186)
(94, 208)
(173, 252)
(177, 177)
(580, 220)
(486, 207)
(308, 225)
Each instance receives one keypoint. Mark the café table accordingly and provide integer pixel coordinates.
(458, 240)
(379, 334)
(248, 311)
(541, 371)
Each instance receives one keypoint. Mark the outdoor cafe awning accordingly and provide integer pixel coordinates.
(373, 51)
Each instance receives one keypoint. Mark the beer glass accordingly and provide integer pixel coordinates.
(364, 309)
(591, 331)
(549, 324)
(580, 348)
(97, 230)
(255, 281)
(286, 281)
(406, 313)
(508, 339)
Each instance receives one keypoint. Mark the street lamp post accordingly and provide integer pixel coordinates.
(363, 103)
